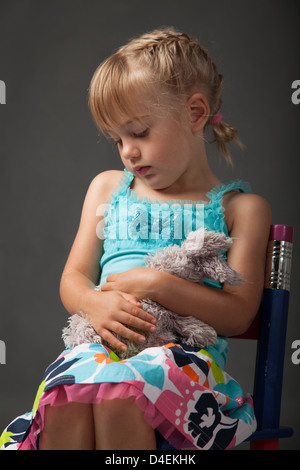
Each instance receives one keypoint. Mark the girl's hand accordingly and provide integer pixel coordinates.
(138, 282)
(117, 312)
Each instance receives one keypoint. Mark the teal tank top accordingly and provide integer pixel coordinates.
(135, 226)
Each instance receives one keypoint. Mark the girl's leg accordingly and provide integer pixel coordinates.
(120, 425)
(69, 427)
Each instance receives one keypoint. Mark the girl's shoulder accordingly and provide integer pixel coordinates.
(107, 179)
(241, 208)
(105, 182)
(100, 190)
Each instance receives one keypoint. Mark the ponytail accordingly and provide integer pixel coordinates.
(224, 133)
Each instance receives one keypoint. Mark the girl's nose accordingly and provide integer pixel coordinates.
(130, 150)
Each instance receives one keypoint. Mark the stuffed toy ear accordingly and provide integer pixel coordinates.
(206, 243)
(214, 241)
(218, 269)
(194, 241)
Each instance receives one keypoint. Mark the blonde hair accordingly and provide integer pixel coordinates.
(158, 65)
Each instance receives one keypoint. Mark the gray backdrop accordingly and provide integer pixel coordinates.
(50, 151)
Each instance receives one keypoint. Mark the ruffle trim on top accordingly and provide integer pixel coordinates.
(210, 207)
(124, 183)
(156, 230)
(215, 194)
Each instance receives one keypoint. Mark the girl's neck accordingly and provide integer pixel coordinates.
(198, 179)
(193, 185)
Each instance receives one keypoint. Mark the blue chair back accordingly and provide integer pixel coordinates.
(270, 331)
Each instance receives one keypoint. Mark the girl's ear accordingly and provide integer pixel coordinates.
(198, 111)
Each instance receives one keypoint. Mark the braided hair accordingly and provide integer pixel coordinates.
(163, 63)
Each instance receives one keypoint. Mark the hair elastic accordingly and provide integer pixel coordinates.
(218, 118)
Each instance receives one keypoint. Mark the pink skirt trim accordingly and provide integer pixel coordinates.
(93, 394)
(182, 392)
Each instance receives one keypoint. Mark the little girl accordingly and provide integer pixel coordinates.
(155, 98)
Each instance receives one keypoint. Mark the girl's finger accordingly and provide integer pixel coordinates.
(127, 333)
(113, 340)
(137, 322)
(140, 313)
(134, 300)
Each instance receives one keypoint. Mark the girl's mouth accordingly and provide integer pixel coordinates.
(142, 170)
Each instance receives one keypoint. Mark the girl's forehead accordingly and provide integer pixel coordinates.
(126, 109)
(135, 109)
(139, 114)
(133, 121)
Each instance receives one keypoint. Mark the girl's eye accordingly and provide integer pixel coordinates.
(142, 134)
(137, 135)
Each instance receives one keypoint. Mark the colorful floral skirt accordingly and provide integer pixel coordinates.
(183, 393)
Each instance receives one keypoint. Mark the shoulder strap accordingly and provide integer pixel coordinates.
(218, 192)
(124, 183)
(125, 180)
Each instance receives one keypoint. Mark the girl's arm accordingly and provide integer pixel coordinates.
(107, 312)
(82, 269)
(229, 310)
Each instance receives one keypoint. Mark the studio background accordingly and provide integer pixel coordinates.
(51, 150)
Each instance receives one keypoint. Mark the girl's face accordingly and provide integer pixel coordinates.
(155, 147)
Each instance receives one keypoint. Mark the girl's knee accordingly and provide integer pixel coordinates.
(117, 409)
(52, 416)
(120, 423)
(68, 427)
(60, 418)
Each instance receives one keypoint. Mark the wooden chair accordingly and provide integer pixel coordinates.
(269, 330)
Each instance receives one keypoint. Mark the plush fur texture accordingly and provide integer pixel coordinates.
(198, 257)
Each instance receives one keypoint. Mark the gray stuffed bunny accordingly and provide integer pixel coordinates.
(198, 257)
